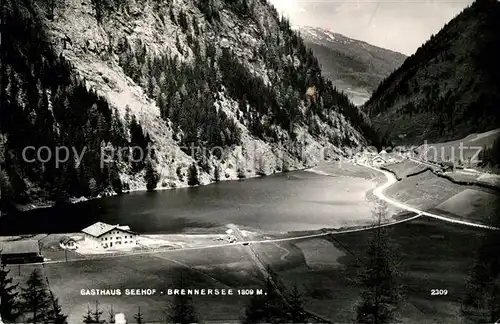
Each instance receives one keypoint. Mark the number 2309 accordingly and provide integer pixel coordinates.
(439, 292)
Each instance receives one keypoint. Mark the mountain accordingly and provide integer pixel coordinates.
(148, 94)
(354, 66)
(450, 87)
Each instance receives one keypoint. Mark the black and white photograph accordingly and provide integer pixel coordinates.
(249, 161)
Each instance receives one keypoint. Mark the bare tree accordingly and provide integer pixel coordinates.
(111, 315)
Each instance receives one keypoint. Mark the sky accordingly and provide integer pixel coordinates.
(399, 25)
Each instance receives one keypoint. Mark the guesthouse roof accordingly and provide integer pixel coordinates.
(101, 228)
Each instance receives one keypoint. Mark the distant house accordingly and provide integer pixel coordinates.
(22, 251)
(105, 236)
(377, 160)
(68, 243)
(388, 158)
(448, 166)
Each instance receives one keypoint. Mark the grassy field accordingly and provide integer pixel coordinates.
(440, 260)
(404, 168)
(433, 257)
(470, 205)
(320, 254)
(439, 195)
(433, 254)
(209, 268)
(475, 177)
(348, 169)
(424, 191)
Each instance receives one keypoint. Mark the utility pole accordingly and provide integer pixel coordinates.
(377, 306)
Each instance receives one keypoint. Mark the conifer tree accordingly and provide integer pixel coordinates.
(98, 7)
(217, 173)
(56, 315)
(482, 300)
(93, 187)
(380, 278)
(36, 299)
(193, 179)
(171, 14)
(296, 312)
(97, 314)
(182, 310)
(151, 177)
(138, 317)
(268, 308)
(111, 315)
(88, 318)
(9, 303)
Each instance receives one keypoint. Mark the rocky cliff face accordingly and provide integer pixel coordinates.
(227, 78)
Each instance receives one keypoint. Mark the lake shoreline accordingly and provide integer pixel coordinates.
(301, 200)
(75, 200)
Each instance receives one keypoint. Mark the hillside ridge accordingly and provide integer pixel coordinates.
(355, 67)
(229, 78)
(450, 87)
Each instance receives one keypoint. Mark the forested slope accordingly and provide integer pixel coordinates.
(229, 78)
(450, 87)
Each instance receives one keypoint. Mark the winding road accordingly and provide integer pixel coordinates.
(391, 179)
(261, 266)
(378, 192)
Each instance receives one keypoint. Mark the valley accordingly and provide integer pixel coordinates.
(324, 262)
(444, 91)
(217, 146)
(355, 67)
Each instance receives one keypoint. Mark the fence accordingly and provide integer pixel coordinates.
(142, 250)
(468, 183)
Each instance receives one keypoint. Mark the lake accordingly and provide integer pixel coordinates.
(294, 201)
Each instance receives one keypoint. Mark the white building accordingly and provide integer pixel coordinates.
(377, 160)
(68, 243)
(105, 236)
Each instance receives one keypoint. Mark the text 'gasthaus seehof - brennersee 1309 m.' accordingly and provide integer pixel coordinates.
(171, 292)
